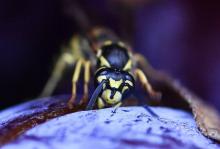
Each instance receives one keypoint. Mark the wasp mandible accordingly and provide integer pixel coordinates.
(115, 68)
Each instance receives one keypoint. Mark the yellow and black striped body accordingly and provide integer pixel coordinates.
(112, 63)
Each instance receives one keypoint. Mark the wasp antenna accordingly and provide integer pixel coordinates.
(94, 96)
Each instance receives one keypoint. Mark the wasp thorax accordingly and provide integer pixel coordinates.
(117, 84)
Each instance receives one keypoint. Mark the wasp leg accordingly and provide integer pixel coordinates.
(143, 63)
(75, 79)
(65, 60)
(139, 74)
(87, 65)
(116, 107)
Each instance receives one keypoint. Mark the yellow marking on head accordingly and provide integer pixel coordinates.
(106, 94)
(121, 44)
(99, 53)
(124, 89)
(115, 84)
(107, 42)
(104, 62)
(128, 65)
(129, 82)
(100, 78)
(101, 104)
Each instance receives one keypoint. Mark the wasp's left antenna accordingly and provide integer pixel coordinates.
(94, 96)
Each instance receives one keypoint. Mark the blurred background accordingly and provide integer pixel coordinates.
(181, 37)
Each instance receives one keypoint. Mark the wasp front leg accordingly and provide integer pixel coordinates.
(75, 79)
(143, 63)
(116, 107)
(76, 76)
(87, 66)
(139, 75)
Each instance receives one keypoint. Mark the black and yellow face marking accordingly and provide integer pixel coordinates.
(114, 64)
(117, 84)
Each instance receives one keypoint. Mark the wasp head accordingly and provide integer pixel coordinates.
(117, 84)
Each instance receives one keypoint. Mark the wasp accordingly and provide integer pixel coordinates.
(113, 63)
